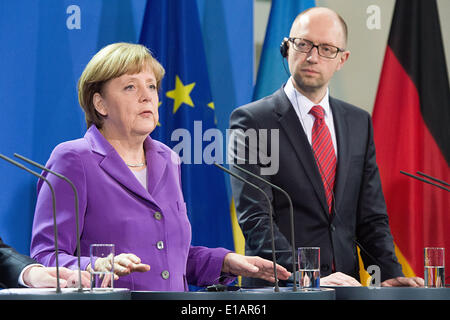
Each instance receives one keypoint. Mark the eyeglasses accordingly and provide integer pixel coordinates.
(324, 50)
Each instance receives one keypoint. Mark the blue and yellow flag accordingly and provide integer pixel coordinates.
(271, 73)
(171, 30)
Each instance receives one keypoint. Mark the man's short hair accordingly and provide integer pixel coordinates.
(341, 20)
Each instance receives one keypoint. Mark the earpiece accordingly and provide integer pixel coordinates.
(284, 48)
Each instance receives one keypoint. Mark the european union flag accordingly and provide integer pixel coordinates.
(171, 30)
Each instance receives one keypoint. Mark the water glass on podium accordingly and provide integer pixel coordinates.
(309, 267)
(102, 278)
(434, 263)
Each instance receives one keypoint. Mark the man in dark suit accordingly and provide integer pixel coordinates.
(326, 163)
(18, 270)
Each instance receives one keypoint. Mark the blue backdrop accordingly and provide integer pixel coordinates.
(45, 47)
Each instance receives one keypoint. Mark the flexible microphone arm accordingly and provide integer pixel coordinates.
(277, 288)
(80, 288)
(55, 229)
(433, 178)
(291, 212)
(426, 181)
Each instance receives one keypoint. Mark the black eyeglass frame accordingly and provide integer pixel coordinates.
(292, 39)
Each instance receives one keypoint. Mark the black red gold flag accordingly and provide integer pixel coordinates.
(412, 132)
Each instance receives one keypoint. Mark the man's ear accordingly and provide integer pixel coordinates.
(99, 104)
(343, 58)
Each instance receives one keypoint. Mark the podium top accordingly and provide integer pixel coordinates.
(241, 294)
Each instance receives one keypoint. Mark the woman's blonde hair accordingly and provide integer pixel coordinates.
(111, 62)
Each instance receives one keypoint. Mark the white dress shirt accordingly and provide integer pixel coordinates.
(141, 175)
(302, 105)
(21, 280)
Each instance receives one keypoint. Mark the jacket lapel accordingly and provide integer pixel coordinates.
(156, 164)
(113, 164)
(292, 127)
(341, 127)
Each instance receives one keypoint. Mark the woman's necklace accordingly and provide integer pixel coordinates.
(137, 165)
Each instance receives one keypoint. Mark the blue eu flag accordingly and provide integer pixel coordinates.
(171, 30)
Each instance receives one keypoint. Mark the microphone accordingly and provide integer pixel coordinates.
(433, 178)
(291, 212)
(427, 181)
(55, 229)
(80, 287)
(277, 288)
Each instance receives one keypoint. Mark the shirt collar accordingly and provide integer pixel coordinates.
(304, 104)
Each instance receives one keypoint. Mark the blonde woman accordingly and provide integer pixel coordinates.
(129, 187)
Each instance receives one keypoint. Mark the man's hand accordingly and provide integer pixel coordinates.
(254, 267)
(43, 277)
(339, 279)
(404, 282)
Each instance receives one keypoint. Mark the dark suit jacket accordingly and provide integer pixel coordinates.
(360, 211)
(11, 265)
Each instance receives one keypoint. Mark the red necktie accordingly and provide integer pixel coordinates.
(324, 152)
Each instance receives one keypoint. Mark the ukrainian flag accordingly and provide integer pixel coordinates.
(271, 72)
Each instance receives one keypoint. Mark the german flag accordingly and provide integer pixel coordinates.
(412, 132)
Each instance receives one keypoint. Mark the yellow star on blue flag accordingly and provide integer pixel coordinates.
(181, 94)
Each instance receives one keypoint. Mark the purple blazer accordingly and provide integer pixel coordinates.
(115, 208)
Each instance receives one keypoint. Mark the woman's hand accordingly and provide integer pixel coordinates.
(124, 264)
(127, 263)
(254, 267)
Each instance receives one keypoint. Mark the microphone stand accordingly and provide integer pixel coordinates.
(80, 287)
(291, 212)
(277, 288)
(55, 229)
